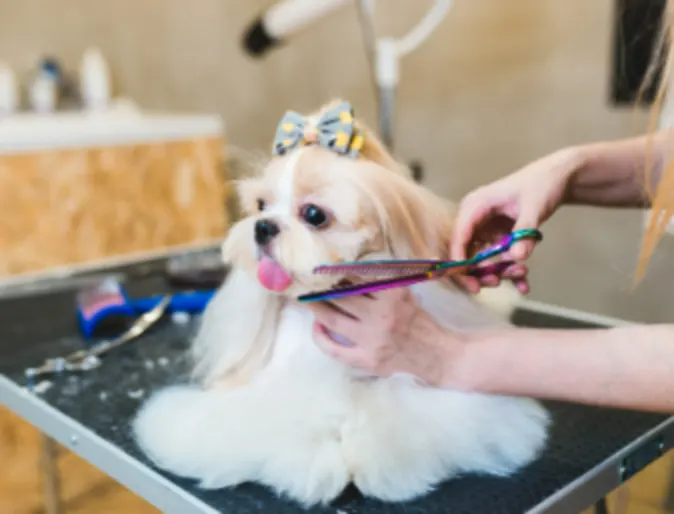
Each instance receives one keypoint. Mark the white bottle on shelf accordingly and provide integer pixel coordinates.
(9, 91)
(94, 80)
(43, 92)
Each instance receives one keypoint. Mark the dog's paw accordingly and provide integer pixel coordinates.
(400, 475)
(310, 471)
(393, 488)
(163, 426)
(203, 435)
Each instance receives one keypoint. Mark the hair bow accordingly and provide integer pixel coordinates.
(334, 130)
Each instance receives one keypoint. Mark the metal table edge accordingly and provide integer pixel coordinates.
(136, 476)
(577, 315)
(106, 264)
(588, 488)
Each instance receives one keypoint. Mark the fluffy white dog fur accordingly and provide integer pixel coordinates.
(267, 406)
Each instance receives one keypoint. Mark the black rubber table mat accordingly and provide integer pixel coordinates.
(106, 399)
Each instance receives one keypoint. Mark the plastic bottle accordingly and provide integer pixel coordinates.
(9, 93)
(94, 80)
(43, 92)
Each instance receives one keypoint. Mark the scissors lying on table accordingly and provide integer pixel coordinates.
(408, 272)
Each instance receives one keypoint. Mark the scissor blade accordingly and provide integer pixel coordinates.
(378, 268)
(373, 270)
(370, 287)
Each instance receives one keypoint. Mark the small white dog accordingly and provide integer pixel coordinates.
(267, 405)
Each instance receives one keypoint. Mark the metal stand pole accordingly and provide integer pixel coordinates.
(386, 109)
(50, 475)
(384, 56)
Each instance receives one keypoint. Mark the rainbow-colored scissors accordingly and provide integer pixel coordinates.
(408, 272)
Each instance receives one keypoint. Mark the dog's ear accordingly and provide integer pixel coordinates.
(414, 222)
(419, 223)
(250, 192)
(375, 151)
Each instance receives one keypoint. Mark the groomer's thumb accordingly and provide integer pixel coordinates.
(528, 219)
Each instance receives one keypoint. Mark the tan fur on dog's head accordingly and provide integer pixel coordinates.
(325, 208)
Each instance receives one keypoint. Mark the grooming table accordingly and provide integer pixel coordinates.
(591, 451)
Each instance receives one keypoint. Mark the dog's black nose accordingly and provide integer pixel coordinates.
(265, 231)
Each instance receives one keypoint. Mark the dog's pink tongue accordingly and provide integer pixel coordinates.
(272, 276)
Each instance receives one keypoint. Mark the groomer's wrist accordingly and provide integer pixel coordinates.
(605, 173)
(573, 162)
(477, 362)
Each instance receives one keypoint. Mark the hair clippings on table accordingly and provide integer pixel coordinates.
(334, 130)
(409, 272)
(89, 358)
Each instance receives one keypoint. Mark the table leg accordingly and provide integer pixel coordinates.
(621, 500)
(668, 504)
(600, 507)
(50, 475)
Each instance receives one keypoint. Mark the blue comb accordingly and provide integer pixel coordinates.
(108, 299)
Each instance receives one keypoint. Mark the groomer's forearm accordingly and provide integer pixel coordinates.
(611, 174)
(631, 367)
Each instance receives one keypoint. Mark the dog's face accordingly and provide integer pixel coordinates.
(303, 211)
(312, 206)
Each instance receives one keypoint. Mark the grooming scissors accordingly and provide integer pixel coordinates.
(408, 272)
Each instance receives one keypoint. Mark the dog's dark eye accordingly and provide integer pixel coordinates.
(314, 216)
(260, 204)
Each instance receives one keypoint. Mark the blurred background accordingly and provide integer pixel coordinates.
(497, 85)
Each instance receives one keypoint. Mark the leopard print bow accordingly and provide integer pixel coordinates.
(334, 130)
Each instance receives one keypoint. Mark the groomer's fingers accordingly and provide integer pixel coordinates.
(468, 284)
(328, 345)
(490, 281)
(529, 218)
(512, 272)
(522, 286)
(356, 306)
(522, 250)
(336, 347)
(471, 215)
(473, 212)
(333, 319)
(516, 271)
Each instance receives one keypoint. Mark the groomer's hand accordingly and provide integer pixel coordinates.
(385, 333)
(525, 199)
